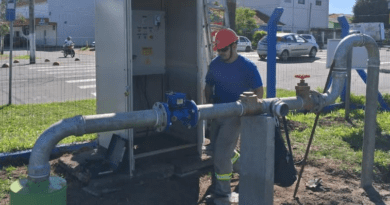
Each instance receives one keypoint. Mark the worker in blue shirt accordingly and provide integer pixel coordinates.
(229, 75)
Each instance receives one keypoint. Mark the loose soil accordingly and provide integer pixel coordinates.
(337, 187)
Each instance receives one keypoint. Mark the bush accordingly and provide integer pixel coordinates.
(257, 36)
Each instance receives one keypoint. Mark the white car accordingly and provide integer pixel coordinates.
(244, 44)
(309, 38)
(288, 45)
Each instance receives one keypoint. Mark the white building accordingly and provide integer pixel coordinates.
(299, 15)
(73, 18)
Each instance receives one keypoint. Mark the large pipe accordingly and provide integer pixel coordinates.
(373, 63)
(356, 40)
(39, 167)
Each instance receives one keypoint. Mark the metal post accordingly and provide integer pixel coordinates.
(257, 173)
(10, 62)
(271, 53)
(348, 86)
(32, 32)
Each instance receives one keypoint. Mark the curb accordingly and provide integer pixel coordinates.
(24, 156)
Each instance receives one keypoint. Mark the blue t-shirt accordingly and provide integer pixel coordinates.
(232, 79)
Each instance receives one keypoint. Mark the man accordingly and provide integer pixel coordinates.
(68, 41)
(230, 74)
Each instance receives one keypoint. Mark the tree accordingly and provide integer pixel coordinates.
(371, 11)
(245, 21)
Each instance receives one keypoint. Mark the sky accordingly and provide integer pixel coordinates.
(341, 6)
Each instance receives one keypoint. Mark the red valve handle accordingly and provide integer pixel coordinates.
(302, 76)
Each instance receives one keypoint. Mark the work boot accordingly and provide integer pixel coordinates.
(231, 199)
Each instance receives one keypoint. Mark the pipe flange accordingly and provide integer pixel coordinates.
(318, 100)
(163, 116)
(280, 109)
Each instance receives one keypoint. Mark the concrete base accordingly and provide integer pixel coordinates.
(257, 160)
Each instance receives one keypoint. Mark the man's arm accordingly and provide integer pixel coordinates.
(259, 92)
(208, 91)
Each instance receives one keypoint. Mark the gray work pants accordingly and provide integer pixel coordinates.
(224, 134)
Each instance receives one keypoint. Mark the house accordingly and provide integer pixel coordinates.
(334, 23)
(57, 19)
(299, 16)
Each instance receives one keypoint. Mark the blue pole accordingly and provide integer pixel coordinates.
(344, 32)
(271, 51)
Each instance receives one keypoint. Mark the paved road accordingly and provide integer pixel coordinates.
(318, 72)
(76, 80)
(42, 82)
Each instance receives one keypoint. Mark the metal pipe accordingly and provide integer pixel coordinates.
(373, 63)
(337, 86)
(356, 40)
(39, 167)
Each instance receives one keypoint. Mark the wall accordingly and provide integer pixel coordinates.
(41, 10)
(74, 18)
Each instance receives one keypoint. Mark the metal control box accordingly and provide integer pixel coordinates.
(148, 33)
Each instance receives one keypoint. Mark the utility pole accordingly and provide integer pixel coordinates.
(31, 31)
(231, 5)
(10, 16)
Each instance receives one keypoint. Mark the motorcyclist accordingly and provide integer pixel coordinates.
(68, 47)
(68, 41)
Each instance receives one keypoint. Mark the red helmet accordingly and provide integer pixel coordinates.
(224, 38)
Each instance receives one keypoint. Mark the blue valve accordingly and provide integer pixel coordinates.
(178, 108)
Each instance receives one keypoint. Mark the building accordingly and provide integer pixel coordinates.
(59, 19)
(299, 16)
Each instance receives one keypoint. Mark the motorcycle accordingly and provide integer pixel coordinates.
(68, 49)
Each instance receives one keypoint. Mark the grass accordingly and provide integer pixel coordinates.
(21, 125)
(84, 48)
(22, 57)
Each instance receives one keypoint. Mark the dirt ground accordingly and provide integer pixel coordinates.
(337, 187)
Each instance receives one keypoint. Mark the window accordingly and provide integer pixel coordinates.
(17, 33)
(301, 1)
(299, 39)
(289, 39)
(242, 39)
(287, 1)
(318, 2)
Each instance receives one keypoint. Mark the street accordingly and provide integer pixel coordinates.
(75, 80)
(42, 82)
(316, 68)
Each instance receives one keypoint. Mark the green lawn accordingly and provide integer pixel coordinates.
(21, 125)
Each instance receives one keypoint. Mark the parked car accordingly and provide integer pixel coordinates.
(309, 37)
(244, 44)
(93, 44)
(288, 45)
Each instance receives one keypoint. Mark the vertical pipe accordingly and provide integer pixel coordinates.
(201, 69)
(370, 126)
(271, 52)
(11, 43)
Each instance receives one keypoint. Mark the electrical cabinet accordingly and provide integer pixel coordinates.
(148, 35)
